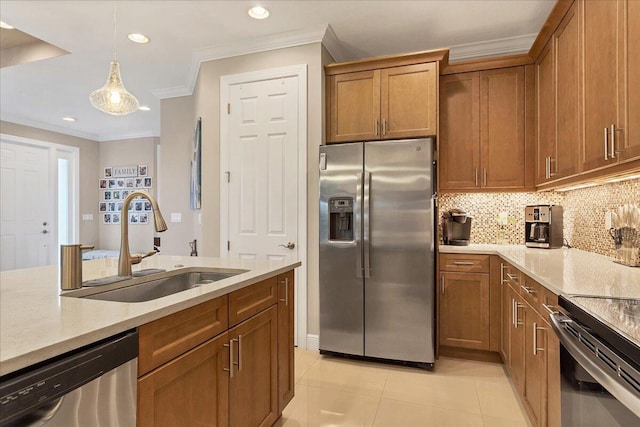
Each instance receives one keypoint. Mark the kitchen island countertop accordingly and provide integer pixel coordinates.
(564, 271)
(37, 323)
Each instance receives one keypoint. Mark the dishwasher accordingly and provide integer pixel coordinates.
(92, 386)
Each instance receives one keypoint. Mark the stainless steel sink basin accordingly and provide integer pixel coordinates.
(153, 287)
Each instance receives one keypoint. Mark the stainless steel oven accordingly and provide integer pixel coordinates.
(599, 361)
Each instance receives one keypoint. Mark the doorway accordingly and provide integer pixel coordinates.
(39, 201)
(263, 155)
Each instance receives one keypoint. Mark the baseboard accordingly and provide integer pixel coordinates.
(463, 353)
(313, 342)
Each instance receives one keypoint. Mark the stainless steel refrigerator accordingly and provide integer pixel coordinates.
(377, 242)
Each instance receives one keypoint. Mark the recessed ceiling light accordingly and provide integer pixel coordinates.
(5, 26)
(144, 108)
(138, 38)
(258, 12)
(69, 119)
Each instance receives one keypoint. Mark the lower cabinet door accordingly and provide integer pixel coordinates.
(506, 323)
(286, 372)
(191, 390)
(253, 385)
(464, 310)
(516, 341)
(535, 367)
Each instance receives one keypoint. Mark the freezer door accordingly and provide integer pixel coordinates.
(398, 243)
(341, 281)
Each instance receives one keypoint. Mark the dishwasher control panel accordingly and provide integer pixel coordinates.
(24, 391)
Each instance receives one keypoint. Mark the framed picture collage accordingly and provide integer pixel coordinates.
(115, 186)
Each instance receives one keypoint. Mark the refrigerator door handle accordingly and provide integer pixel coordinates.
(357, 226)
(366, 229)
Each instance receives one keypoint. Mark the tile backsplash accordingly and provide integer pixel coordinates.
(584, 211)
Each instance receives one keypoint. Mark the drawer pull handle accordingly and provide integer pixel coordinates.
(528, 290)
(549, 309)
(239, 353)
(512, 276)
(502, 267)
(285, 282)
(536, 349)
(230, 370)
(463, 263)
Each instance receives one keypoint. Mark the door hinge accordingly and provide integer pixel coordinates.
(228, 174)
(228, 108)
(228, 245)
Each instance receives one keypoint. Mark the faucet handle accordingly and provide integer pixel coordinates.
(137, 258)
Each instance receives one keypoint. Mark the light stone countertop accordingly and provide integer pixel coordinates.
(564, 271)
(36, 323)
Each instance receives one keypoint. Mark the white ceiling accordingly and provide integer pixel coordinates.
(183, 33)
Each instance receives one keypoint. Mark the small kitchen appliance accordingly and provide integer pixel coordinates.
(456, 227)
(543, 226)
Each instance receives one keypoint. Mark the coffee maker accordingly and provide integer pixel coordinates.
(543, 226)
(456, 227)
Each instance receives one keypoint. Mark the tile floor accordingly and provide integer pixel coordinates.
(338, 392)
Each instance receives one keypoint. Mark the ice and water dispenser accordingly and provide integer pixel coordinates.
(341, 219)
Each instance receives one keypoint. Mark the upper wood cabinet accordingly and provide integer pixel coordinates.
(558, 109)
(611, 69)
(482, 130)
(383, 98)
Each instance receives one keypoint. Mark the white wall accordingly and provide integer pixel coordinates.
(177, 125)
(177, 128)
(128, 152)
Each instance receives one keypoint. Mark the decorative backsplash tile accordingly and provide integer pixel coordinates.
(584, 211)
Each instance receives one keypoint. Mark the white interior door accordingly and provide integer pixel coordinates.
(263, 169)
(27, 219)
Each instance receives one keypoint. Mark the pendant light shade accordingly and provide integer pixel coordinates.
(113, 98)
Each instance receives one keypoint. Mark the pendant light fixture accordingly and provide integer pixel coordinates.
(113, 98)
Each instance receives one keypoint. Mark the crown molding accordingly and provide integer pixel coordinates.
(10, 118)
(497, 47)
(333, 45)
(243, 47)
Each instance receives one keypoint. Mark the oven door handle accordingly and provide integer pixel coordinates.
(596, 368)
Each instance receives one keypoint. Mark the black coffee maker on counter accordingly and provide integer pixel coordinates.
(456, 227)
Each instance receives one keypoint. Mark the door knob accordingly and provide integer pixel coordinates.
(289, 245)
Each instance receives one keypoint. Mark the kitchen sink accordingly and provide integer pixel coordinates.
(153, 287)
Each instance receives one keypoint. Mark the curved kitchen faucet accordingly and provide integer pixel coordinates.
(126, 260)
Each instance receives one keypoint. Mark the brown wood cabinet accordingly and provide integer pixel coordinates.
(383, 98)
(286, 357)
(482, 131)
(516, 341)
(192, 389)
(243, 376)
(611, 79)
(558, 111)
(535, 376)
(463, 301)
(253, 387)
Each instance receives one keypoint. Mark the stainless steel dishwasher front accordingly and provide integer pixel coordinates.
(92, 386)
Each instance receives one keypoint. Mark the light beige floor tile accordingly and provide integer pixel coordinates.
(346, 375)
(393, 413)
(502, 422)
(437, 390)
(468, 368)
(304, 359)
(498, 399)
(315, 406)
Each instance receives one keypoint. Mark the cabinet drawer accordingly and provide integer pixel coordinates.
(169, 337)
(511, 276)
(251, 300)
(464, 263)
(550, 300)
(531, 292)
